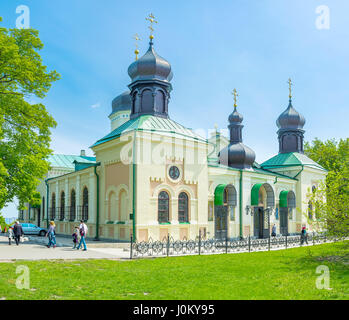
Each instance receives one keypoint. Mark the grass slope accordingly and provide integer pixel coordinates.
(285, 274)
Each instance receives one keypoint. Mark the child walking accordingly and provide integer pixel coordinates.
(10, 235)
(75, 236)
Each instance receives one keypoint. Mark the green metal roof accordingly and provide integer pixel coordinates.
(255, 168)
(290, 160)
(66, 161)
(151, 124)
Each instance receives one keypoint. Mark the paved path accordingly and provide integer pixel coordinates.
(31, 250)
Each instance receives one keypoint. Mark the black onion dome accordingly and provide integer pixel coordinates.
(121, 102)
(149, 67)
(290, 119)
(235, 117)
(237, 155)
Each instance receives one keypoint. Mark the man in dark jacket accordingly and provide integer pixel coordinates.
(18, 232)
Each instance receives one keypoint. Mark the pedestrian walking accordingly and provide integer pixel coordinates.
(10, 235)
(18, 232)
(83, 232)
(304, 235)
(75, 235)
(273, 231)
(51, 234)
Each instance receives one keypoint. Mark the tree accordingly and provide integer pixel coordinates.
(24, 126)
(331, 199)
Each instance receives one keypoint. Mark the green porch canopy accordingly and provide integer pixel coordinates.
(219, 195)
(287, 199)
(255, 194)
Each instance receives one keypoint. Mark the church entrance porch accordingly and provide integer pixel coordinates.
(221, 222)
(262, 200)
(260, 222)
(287, 201)
(225, 201)
(284, 221)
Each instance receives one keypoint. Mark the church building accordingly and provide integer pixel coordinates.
(151, 176)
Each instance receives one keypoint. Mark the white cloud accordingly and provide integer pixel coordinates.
(96, 105)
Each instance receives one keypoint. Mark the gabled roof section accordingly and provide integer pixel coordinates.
(67, 161)
(151, 123)
(291, 159)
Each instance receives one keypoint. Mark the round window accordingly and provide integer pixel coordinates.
(174, 173)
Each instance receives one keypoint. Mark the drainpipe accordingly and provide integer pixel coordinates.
(134, 186)
(240, 203)
(47, 193)
(97, 212)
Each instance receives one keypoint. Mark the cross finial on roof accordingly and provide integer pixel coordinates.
(137, 38)
(235, 94)
(151, 19)
(290, 84)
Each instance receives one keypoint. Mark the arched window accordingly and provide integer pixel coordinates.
(159, 101)
(183, 215)
(72, 206)
(85, 204)
(112, 206)
(310, 210)
(122, 205)
(163, 207)
(135, 103)
(62, 209)
(147, 101)
(53, 206)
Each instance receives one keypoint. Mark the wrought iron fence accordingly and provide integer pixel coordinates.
(170, 247)
(61, 213)
(72, 213)
(83, 213)
(52, 213)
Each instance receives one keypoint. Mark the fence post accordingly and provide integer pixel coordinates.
(131, 245)
(199, 242)
(249, 243)
(286, 241)
(269, 243)
(168, 244)
(313, 238)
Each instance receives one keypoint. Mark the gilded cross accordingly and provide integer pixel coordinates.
(137, 38)
(151, 19)
(290, 87)
(235, 94)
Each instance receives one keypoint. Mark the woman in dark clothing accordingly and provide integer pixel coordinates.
(18, 232)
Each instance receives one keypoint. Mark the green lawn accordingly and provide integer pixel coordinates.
(284, 274)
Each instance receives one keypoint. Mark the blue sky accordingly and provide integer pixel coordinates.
(213, 47)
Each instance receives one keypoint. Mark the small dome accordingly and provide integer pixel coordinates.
(235, 117)
(121, 102)
(237, 155)
(149, 67)
(290, 119)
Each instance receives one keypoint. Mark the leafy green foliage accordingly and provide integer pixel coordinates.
(331, 199)
(24, 127)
